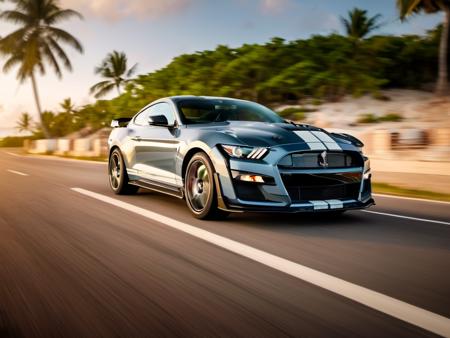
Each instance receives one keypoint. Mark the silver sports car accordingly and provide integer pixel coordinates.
(226, 155)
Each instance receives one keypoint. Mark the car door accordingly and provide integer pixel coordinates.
(156, 147)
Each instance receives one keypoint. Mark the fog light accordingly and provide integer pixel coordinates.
(251, 178)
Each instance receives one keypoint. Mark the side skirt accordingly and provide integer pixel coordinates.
(159, 187)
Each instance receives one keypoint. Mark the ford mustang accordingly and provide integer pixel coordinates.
(227, 155)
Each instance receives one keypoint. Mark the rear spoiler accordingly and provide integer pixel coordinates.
(120, 122)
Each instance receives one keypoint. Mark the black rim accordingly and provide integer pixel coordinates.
(198, 187)
(114, 171)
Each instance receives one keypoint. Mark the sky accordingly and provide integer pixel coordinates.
(152, 32)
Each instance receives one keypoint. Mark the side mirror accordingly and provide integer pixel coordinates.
(158, 120)
(120, 122)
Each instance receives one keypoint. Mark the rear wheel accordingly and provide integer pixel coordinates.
(201, 195)
(118, 177)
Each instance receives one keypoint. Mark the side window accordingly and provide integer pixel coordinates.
(142, 118)
(163, 108)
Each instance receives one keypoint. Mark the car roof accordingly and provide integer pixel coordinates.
(179, 98)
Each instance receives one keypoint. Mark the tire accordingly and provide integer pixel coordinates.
(200, 190)
(117, 174)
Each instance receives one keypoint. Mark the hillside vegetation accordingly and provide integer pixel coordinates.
(325, 68)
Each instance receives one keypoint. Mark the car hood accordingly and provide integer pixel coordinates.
(262, 134)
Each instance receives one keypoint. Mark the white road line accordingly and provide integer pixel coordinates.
(13, 154)
(406, 217)
(17, 172)
(396, 308)
(411, 198)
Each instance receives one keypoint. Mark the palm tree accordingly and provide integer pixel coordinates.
(37, 42)
(67, 106)
(358, 24)
(114, 69)
(410, 7)
(24, 123)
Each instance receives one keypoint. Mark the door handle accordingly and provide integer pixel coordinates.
(136, 138)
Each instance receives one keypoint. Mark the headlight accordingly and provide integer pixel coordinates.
(254, 153)
(367, 172)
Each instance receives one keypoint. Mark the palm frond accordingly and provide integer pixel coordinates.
(60, 34)
(62, 15)
(98, 86)
(48, 53)
(61, 54)
(132, 70)
(104, 89)
(15, 17)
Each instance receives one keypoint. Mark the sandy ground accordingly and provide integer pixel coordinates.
(419, 109)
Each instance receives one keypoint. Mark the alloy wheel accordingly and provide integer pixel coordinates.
(198, 185)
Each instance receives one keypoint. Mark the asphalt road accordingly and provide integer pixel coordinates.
(75, 265)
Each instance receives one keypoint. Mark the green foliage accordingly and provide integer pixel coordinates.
(371, 118)
(391, 117)
(13, 141)
(367, 118)
(25, 123)
(113, 70)
(358, 24)
(296, 114)
(315, 70)
(384, 188)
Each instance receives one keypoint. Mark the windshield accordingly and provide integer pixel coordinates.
(201, 110)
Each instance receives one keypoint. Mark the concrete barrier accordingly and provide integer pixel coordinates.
(381, 142)
(43, 146)
(82, 147)
(378, 144)
(63, 146)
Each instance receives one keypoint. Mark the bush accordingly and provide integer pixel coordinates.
(293, 113)
(316, 102)
(371, 118)
(367, 118)
(380, 97)
(13, 141)
(391, 117)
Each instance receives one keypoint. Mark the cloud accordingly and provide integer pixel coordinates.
(274, 6)
(120, 9)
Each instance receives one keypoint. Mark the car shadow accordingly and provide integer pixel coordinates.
(350, 226)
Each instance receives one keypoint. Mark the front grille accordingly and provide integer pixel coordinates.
(306, 187)
(312, 160)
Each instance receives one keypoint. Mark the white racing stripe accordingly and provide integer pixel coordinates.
(396, 308)
(406, 217)
(17, 172)
(313, 142)
(327, 140)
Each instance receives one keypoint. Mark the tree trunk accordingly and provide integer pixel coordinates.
(442, 83)
(118, 89)
(38, 106)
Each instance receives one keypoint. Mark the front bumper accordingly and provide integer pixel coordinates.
(278, 195)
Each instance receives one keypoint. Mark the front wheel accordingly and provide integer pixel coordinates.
(201, 195)
(118, 178)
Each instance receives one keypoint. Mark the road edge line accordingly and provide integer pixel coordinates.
(406, 217)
